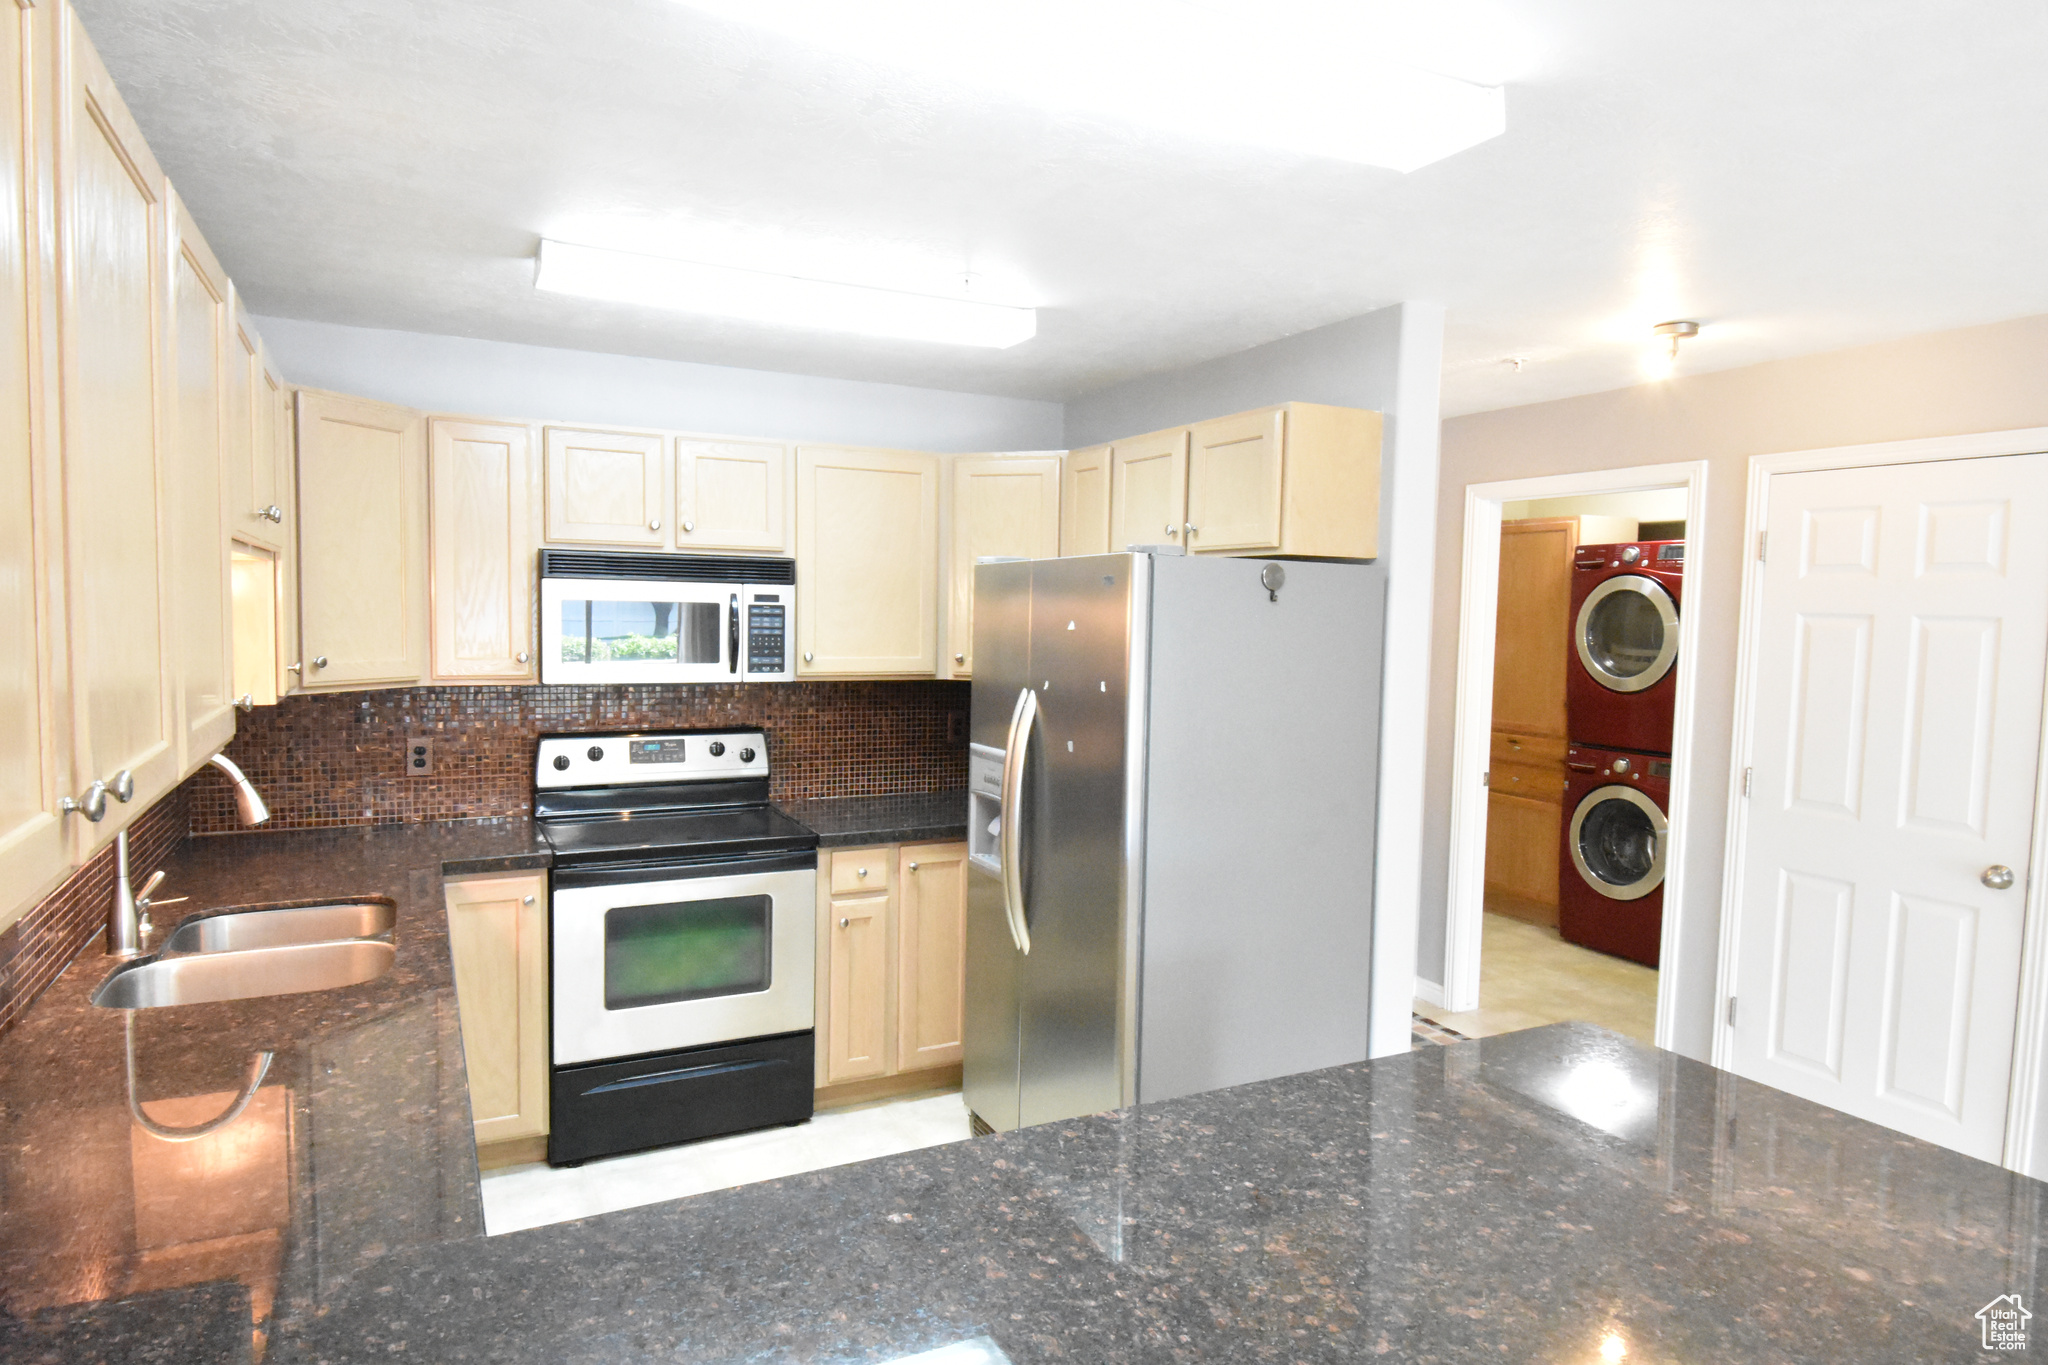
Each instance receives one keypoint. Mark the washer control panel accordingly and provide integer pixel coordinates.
(640, 758)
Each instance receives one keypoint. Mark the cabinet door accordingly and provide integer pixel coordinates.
(1522, 843)
(482, 549)
(1084, 502)
(282, 447)
(857, 987)
(34, 767)
(931, 954)
(1148, 500)
(605, 488)
(1533, 625)
(1234, 483)
(362, 542)
(867, 547)
(730, 495)
(198, 424)
(1002, 505)
(254, 503)
(497, 936)
(112, 228)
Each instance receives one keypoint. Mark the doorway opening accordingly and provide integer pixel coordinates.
(1574, 701)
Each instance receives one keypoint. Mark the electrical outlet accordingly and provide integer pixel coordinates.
(956, 727)
(419, 756)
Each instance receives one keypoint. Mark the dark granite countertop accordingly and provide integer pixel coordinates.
(928, 817)
(1519, 1198)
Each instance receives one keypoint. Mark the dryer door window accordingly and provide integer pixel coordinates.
(1618, 842)
(1627, 633)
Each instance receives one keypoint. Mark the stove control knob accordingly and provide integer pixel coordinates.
(718, 748)
(561, 763)
(596, 753)
(746, 755)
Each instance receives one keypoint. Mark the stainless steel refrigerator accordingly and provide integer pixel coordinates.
(1171, 827)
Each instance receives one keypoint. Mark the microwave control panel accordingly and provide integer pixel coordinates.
(767, 633)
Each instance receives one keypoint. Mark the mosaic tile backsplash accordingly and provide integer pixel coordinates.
(337, 758)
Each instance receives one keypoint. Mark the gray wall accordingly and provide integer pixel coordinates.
(501, 379)
(1943, 384)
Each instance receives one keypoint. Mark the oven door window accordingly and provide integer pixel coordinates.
(685, 950)
(601, 632)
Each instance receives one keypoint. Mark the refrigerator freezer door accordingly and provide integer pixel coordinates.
(1069, 1054)
(1002, 645)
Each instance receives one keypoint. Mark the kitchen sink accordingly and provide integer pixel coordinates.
(275, 928)
(244, 973)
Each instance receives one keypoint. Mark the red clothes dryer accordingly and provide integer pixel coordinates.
(1610, 893)
(1619, 680)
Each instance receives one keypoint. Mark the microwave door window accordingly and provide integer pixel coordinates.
(605, 632)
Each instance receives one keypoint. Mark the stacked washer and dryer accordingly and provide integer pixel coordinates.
(1619, 693)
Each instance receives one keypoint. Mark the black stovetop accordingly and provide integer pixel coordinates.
(712, 831)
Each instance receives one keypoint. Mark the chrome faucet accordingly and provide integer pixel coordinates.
(128, 917)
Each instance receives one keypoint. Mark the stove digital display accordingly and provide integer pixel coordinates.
(656, 751)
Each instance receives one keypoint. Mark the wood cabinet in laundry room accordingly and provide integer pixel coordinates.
(1525, 796)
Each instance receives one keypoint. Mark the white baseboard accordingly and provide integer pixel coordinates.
(1430, 991)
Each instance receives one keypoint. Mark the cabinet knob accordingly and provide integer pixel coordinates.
(520, 657)
(92, 805)
(122, 785)
(860, 872)
(1191, 529)
(526, 900)
(246, 702)
(689, 526)
(272, 513)
(295, 668)
(807, 656)
(320, 661)
(842, 924)
(959, 658)
(655, 524)
(1171, 529)
(913, 867)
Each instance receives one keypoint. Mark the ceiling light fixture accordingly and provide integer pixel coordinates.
(778, 300)
(1191, 68)
(1676, 332)
(1661, 359)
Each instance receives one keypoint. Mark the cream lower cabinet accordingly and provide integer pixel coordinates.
(1084, 502)
(362, 478)
(498, 938)
(867, 551)
(891, 964)
(1000, 505)
(482, 541)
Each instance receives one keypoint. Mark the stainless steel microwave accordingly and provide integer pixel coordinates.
(617, 617)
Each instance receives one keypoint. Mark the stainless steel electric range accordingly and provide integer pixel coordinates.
(683, 928)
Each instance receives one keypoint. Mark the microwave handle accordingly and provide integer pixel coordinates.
(732, 635)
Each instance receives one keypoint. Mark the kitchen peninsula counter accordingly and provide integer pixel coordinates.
(1523, 1198)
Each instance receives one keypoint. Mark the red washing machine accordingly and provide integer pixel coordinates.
(1619, 682)
(1610, 893)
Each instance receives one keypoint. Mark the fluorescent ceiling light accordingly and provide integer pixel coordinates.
(780, 300)
(1215, 71)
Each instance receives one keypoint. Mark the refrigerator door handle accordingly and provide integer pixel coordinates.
(1012, 836)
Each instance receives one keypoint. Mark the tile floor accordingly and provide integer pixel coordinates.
(1529, 976)
(530, 1196)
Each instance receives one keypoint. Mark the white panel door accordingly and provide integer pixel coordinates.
(1902, 627)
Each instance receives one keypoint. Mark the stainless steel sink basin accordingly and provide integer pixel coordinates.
(244, 974)
(273, 928)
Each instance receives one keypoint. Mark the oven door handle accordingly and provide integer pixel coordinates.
(732, 634)
(1021, 721)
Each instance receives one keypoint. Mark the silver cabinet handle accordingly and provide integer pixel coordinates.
(689, 526)
(272, 513)
(122, 785)
(526, 900)
(295, 668)
(92, 805)
(1191, 529)
(959, 658)
(1998, 877)
(860, 872)
(655, 524)
(320, 661)
(520, 657)
(807, 656)
(1171, 529)
(246, 702)
(842, 924)
(913, 867)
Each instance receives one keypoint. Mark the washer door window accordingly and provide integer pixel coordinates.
(1627, 633)
(1617, 843)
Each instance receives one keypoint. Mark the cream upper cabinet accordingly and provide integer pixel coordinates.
(362, 542)
(1084, 502)
(731, 495)
(256, 500)
(867, 541)
(112, 227)
(1001, 505)
(1234, 483)
(34, 757)
(482, 543)
(283, 446)
(931, 954)
(498, 941)
(606, 488)
(200, 426)
(1148, 478)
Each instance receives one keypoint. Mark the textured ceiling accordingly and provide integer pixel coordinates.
(1799, 176)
